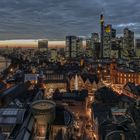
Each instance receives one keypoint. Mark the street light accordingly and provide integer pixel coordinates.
(11, 70)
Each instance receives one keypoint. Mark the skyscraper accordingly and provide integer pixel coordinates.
(95, 45)
(114, 49)
(71, 42)
(43, 43)
(102, 34)
(114, 45)
(128, 43)
(138, 47)
(107, 41)
(119, 42)
(108, 47)
(79, 46)
(95, 37)
(96, 51)
(89, 49)
(74, 46)
(88, 43)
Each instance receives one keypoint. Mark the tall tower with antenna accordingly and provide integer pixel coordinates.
(102, 35)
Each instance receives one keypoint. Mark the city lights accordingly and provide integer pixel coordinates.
(63, 79)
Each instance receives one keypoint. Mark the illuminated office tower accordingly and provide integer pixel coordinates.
(88, 43)
(128, 43)
(95, 37)
(119, 43)
(137, 49)
(113, 34)
(114, 49)
(96, 51)
(79, 46)
(43, 43)
(71, 43)
(109, 41)
(102, 35)
(89, 49)
(54, 54)
(114, 45)
(74, 46)
(95, 45)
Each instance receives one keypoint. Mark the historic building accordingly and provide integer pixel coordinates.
(84, 81)
(123, 75)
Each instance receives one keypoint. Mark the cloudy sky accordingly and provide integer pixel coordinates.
(54, 19)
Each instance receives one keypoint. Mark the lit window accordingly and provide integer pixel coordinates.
(125, 80)
(121, 80)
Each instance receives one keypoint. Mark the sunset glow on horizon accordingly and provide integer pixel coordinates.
(30, 43)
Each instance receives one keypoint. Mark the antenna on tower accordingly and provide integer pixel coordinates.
(102, 11)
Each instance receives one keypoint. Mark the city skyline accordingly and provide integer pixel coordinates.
(55, 19)
(69, 70)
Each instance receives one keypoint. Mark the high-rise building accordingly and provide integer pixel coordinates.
(71, 42)
(113, 32)
(119, 44)
(88, 43)
(137, 47)
(109, 42)
(74, 46)
(88, 52)
(128, 43)
(102, 34)
(53, 54)
(114, 45)
(43, 43)
(114, 50)
(95, 45)
(95, 37)
(79, 46)
(96, 51)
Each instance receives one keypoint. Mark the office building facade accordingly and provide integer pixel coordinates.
(74, 46)
(128, 43)
(108, 40)
(137, 47)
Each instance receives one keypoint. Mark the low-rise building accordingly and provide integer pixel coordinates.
(84, 81)
(123, 75)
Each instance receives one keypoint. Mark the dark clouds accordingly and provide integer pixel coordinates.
(55, 19)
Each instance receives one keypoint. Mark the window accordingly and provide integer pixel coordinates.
(125, 80)
(121, 80)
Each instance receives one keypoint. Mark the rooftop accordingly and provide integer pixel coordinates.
(43, 105)
(11, 116)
